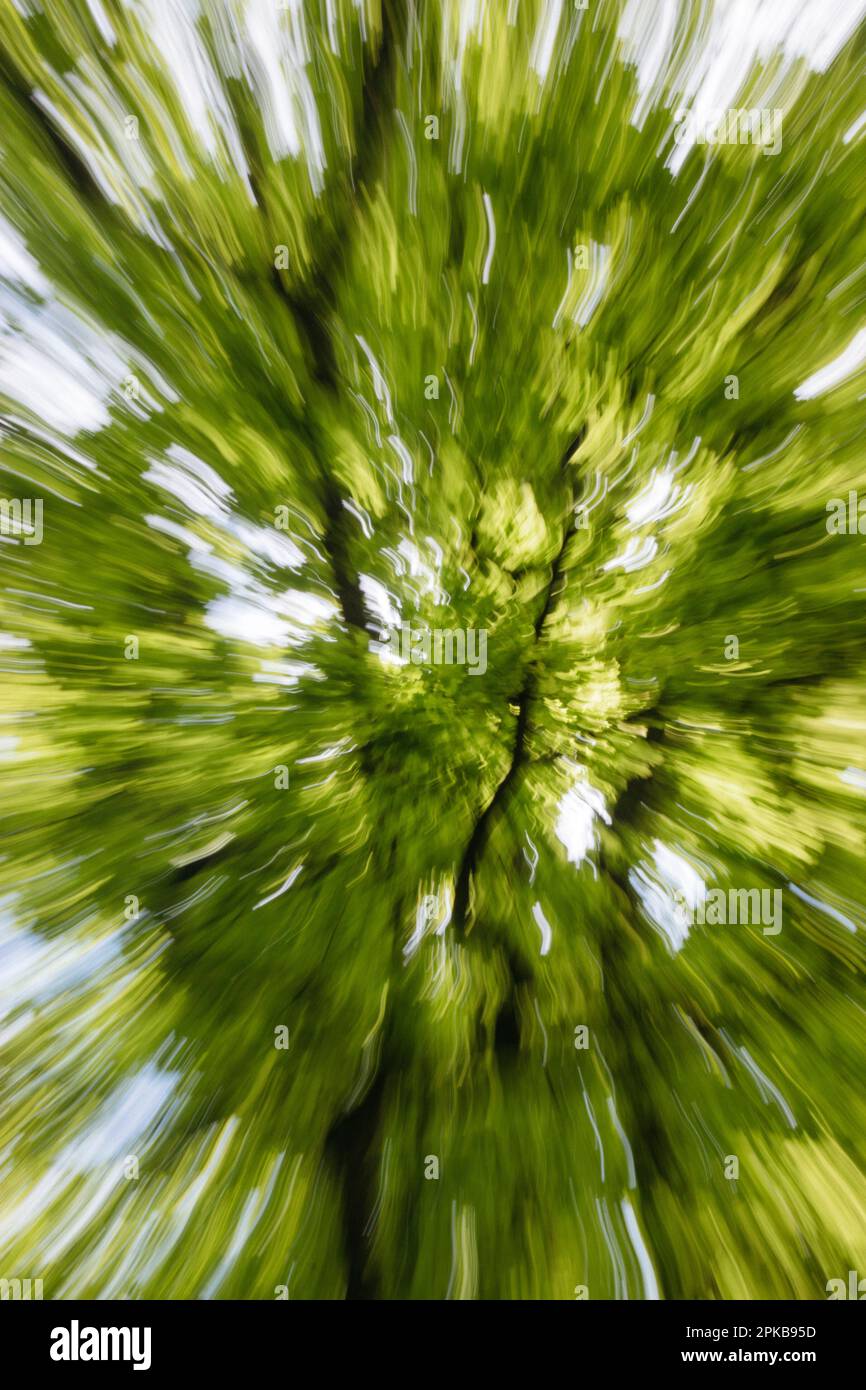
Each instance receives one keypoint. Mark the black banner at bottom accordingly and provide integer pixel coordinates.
(148, 1338)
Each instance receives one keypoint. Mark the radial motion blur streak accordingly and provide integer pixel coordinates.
(432, 516)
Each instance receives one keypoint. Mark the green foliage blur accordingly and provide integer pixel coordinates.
(283, 357)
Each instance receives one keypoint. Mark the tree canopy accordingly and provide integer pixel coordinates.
(338, 975)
